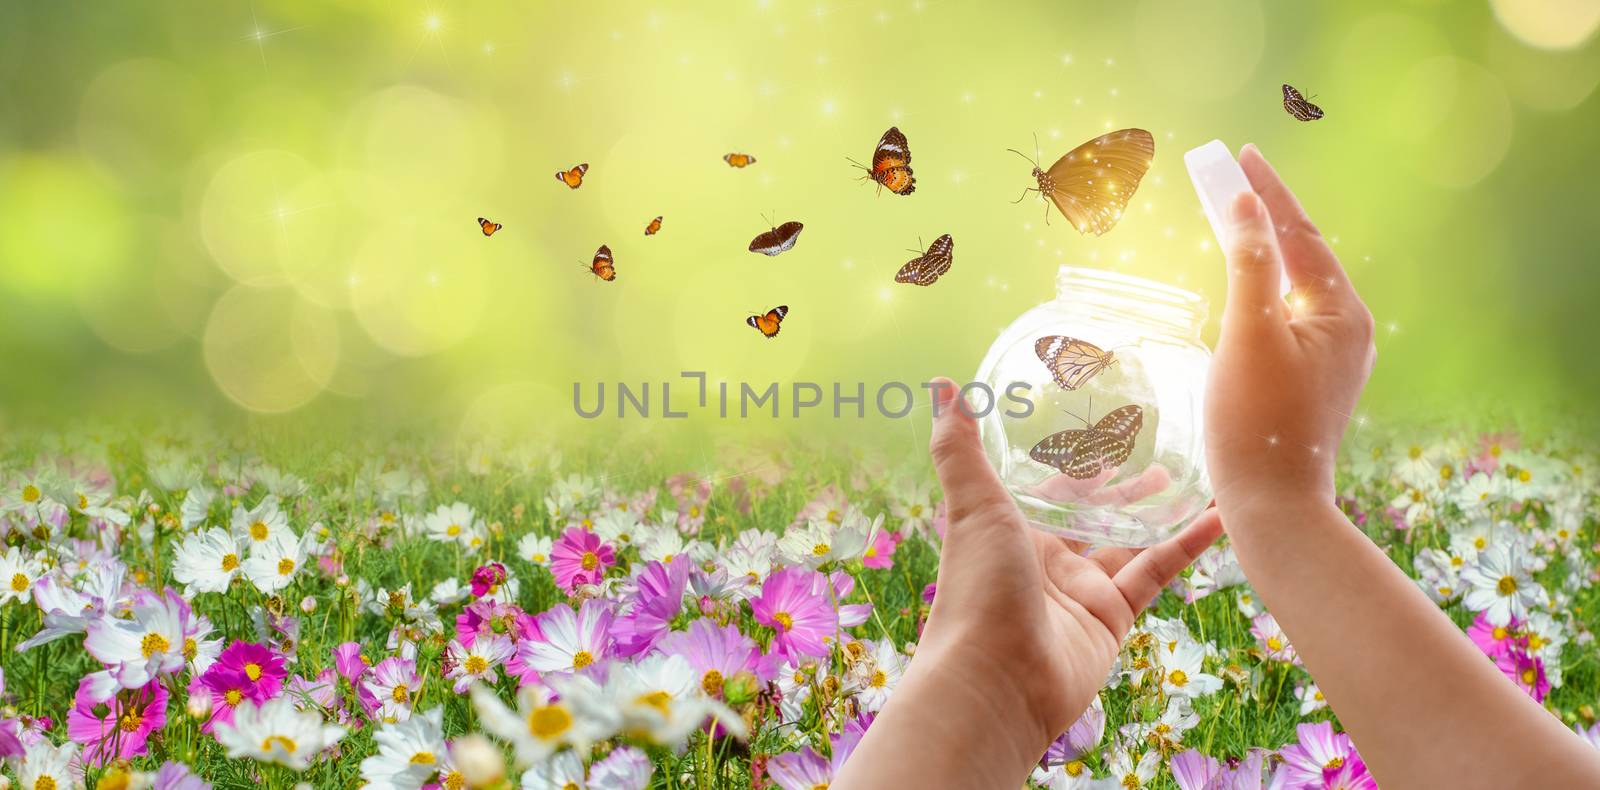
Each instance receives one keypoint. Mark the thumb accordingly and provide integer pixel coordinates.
(970, 483)
(1254, 266)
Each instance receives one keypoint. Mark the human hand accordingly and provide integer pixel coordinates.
(1286, 376)
(1022, 616)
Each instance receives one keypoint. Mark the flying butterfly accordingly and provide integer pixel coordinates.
(653, 228)
(603, 266)
(891, 164)
(769, 324)
(927, 268)
(1093, 183)
(1083, 454)
(780, 239)
(1071, 361)
(739, 160)
(488, 227)
(1297, 105)
(573, 178)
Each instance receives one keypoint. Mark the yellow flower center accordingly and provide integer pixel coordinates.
(1334, 764)
(581, 659)
(1131, 781)
(284, 741)
(1480, 543)
(784, 620)
(20, 582)
(285, 566)
(660, 700)
(152, 644)
(1415, 452)
(1528, 676)
(258, 530)
(190, 648)
(1524, 475)
(44, 783)
(233, 697)
(872, 551)
(453, 530)
(1178, 678)
(1507, 585)
(1074, 768)
(590, 560)
(821, 549)
(454, 781)
(252, 670)
(476, 664)
(83, 502)
(30, 494)
(537, 558)
(1500, 633)
(400, 693)
(879, 680)
(229, 562)
(549, 722)
(1446, 472)
(423, 758)
(1274, 643)
(1535, 641)
(711, 682)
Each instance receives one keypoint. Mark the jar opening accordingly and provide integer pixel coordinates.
(1109, 296)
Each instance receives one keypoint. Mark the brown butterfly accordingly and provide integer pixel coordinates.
(1297, 105)
(770, 323)
(739, 160)
(1093, 183)
(653, 228)
(1083, 454)
(1071, 361)
(603, 266)
(891, 164)
(780, 239)
(488, 227)
(574, 177)
(928, 267)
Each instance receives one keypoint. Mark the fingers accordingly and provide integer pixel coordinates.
(1312, 266)
(1144, 576)
(970, 483)
(1253, 267)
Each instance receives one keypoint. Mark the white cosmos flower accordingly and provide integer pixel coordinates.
(138, 649)
(877, 677)
(819, 542)
(541, 724)
(1438, 574)
(46, 766)
(535, 549)
(479, 663)
(409, 753)
(18, 572)
(659, 698)
(1310, 697)
(277, 732)
(454, 523)
(1182, 671)
(1499, 585)
(272, 565)
(1132, 773)
(572, 640)
(207, 561)
(260, 524)
(196, 507)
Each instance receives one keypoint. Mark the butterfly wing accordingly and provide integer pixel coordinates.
(1093, 183)
(928, 267)
(777, 240)
(1297, 105)
(739, 160)
(1071, 361)
(653, 228)
(770, 323)
(1059, 449)
(604, 267)
(488, 227)
(1084, 454)
(891, 163)
(573, 178)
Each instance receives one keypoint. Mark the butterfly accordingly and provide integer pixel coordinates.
(488, 227)
(769, 324)
(1083, 454)
(891, 164)
(779, 239)
(603, 266)
(927, 268)
(739, 160)
(653, 228)
(1297, 105)
(1093, 183)
(574, 177)
(1071, 361)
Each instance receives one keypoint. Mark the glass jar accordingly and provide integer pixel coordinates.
(1112, 450)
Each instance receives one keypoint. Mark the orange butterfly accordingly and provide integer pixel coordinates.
(653, 228)
(739, 160)
(891, 164)
(488, 227)
(574, 177)
(769, 324)
(603, 266)
(1093, 183)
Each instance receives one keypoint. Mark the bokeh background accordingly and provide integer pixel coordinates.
(264, 210)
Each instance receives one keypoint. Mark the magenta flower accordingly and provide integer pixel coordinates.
(1494, 640)
(880, 553)
(1272, 640)
(488, 578)
(262, 669)
(658, 600)
(1079, 739)
(1195, 771)
(391, 686)
(349, 662)
(928, 591)
(802, 770)
(580, 557)
(717, 653)
(1527, 671)
(794, 603)
(1321, 757)
(229, 688)
(119, 725)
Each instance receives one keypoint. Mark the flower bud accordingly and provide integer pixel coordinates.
(308, 604)
(199, 705)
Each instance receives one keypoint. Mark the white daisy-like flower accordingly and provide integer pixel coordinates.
(196, 507)
(479, 663)
(137, 649)
(273, 565)
(1134, 772)
(1310, 697)
(448, 592)
(207, 561)
(819, 542)
(660, 699)
(409, 753)
(542, 724)
(1182, 673)
(572, 640)
(261, 524)
(18, 572)
(877, 676)
(277, 732)
(47, 767)
(535, 549)
(1499, 585)
(453, 523)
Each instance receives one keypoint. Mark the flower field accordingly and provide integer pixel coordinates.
(186, 612)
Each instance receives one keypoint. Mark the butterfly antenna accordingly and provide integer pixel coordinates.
(1034, 161)
(1036, 155)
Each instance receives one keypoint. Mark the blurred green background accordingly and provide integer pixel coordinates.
(265, 210)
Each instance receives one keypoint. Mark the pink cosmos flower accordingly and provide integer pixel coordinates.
(717, 653)
(659, 599)
(475, 664)
(829, 505)
(1322, 758)
(1494, 640)
(229, 689)
(1272, 640)
(1526, 670)
(391, 685)
(1195, 771)
(794, 603)
(488, 578)
(262, 669)
(880, 554)
(349, 662)
(1079, 739)
(571, 641)
(802, 770)
(320, 691)
(176, 776)
(116, 726)
(580, 557)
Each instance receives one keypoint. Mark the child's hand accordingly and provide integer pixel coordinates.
(1286, 377)
(1023, 628)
